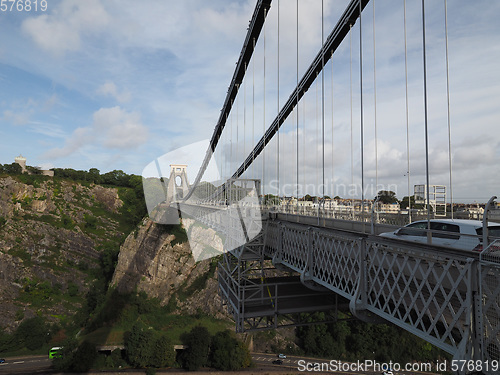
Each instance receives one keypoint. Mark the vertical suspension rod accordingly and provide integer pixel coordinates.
(426, 120)
(337, 35)
(254, 29)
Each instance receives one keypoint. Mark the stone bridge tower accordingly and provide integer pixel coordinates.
(178, 185)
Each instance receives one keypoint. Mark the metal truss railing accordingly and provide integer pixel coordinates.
(449, 298)
(489, 314)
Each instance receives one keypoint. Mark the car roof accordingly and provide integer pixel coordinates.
(475, 223)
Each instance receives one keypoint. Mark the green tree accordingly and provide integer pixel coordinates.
(34, 170)
(72, 289)
(90, 221)
(84, 357)
(108, 260)
(137, 345)
(115, 178)
(65, 362)
(227, 353)
(146, 348)
(162, 352)
(198, 344)
(405, 203)
(270, 199)
(387, 197)
(94, 175)
(13, 169)
(5, 341)
(32, 333)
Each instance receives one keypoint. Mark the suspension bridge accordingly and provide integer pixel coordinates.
(292, 135)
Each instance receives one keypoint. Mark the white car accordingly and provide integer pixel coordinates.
(454, 233)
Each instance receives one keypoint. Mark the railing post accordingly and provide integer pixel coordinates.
(485, 222)
(466, 349)
(477, 311)
(359, 299)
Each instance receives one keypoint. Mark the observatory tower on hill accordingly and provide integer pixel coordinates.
(21, 160)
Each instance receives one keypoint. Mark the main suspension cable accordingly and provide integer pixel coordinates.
(297, 105)
(278, 105)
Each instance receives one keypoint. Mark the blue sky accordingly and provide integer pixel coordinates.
(111, 84)
(116, 84)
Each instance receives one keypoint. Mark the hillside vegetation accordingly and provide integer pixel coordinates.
(59, 243)
(58, 237)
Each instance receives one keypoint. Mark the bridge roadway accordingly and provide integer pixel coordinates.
(446, 296)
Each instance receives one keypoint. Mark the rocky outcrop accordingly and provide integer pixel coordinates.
(148, 262)
(45, 242)
(152, 261)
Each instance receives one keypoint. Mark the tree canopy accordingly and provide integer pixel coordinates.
(387, 197)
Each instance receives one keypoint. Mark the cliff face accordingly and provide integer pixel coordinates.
(153, 260)
(51, 234)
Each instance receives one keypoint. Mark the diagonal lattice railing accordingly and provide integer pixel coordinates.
(440, 295)
(427, 293)
(489, 321)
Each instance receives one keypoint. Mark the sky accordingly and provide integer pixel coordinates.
(114, 84)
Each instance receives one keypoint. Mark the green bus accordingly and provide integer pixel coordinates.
(55, 352)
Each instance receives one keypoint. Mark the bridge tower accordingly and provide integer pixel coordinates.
(178, 185)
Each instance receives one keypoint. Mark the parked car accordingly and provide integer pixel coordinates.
(454, 233)
(493, 231)
(281, 355)
(278, 362)
(2, 360)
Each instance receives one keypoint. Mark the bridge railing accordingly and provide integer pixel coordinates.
(430, 291)
(489, 322)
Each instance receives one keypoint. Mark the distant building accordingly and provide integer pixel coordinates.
(21, 160)
(390, 208)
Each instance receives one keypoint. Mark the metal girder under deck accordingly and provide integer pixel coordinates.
(260, 302)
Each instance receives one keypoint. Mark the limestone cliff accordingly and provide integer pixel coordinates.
(157, 259)
(51, 234)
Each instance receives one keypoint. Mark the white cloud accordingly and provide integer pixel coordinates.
(16, 118)
(119, 129)
(61, 31)
(112, 128)
(79, 138)
(110, 89)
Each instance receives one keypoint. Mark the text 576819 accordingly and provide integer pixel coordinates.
(23, 5)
